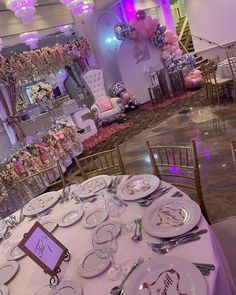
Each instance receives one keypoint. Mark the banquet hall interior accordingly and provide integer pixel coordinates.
(117, 147)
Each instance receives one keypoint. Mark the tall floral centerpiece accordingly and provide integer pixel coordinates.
(41, 93)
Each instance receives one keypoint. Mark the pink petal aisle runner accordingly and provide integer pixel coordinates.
(104, 133)
(148, 105)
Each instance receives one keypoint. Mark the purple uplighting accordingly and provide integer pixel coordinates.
(174, 169)
(129, 8)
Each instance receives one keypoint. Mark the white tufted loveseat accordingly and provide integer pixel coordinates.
(94, 80)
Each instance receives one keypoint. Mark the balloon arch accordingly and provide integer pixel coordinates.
(145, 27)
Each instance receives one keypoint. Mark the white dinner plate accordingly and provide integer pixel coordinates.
(93, 185)
(69, 288)
(95, 217)
(137, 187)
(170, 217)
(15, 253)
(166, 275)
(100, 233)
(49, 223)
(71, 217)
(90, 265)
(45, 202)
(8, 271)
(3, 290)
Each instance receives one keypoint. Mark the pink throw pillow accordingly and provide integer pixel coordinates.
(104, 104)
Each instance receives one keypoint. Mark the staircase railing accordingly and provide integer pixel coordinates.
(183, 28)
(214, 43)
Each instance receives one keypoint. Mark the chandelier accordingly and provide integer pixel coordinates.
(67, 30)
(30, 39)
(79, 7)
(23, 9)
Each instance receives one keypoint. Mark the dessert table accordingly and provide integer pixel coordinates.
(77, 239)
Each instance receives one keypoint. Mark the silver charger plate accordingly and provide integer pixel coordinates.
(100, 233)
(138, 187)
(93, 185)
(170, 217)
(69, 288)
(3, 290)
(90, 265)
(46, 201)
(95, 217)
(70, 217)
(7, 271)
(49, 223)
(166, 275)
(15, 253)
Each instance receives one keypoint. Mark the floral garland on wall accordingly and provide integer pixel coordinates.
(145, 27)
(35, 64)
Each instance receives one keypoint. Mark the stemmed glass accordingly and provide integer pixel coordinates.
(116, 209)
(3, 231)
(107, 249)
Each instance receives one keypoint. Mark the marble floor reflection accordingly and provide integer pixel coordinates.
(212, 128)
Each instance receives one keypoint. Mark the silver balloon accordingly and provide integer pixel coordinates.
(122, 31)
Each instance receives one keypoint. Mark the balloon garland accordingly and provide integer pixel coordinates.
(145, 27)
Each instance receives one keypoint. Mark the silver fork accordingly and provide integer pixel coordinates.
(169, 246)
(149, 202)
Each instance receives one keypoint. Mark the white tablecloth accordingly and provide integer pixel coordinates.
(223, 69)
(78, 240)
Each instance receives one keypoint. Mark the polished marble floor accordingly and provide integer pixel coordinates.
(212, 128)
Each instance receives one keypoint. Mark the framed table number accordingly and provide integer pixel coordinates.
(45, 250)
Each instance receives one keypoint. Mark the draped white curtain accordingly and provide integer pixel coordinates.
(4, 115)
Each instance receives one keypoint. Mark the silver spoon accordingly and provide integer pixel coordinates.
(118, 290)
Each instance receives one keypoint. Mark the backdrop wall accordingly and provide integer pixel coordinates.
(211, 19)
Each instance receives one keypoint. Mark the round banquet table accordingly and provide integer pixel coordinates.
(223, 69)
(77, 239)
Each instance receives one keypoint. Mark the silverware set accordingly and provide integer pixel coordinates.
(147, 201)
(177, 195)
(138, 236)
(118, 290)
(167, 245)
(45, 213)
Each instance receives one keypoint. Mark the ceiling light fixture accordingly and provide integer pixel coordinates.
(79, 7)
(31, 39)
(23, 9)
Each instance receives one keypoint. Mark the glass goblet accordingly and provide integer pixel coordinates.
(116, 209)
(107, 249)
(3, 234)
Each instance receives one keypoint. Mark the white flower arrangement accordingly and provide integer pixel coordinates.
(41, 92)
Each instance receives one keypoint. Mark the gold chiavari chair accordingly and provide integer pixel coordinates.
(179, 162)
(231, 53)
(216, 60)
(103, 162)
(233, 150)
(215, 83)
(37, 183)
(232, 65)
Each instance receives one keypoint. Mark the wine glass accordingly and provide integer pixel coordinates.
(107, 249)
(116, 209)
(3, 232)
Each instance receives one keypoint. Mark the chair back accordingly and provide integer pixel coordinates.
(37, 183)
(100, 163)
(216, 60)
(94, 79)
(232, 65)
(163, 83)
(209, 71)
(231, 53)
(233, 150)
(179, 162)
